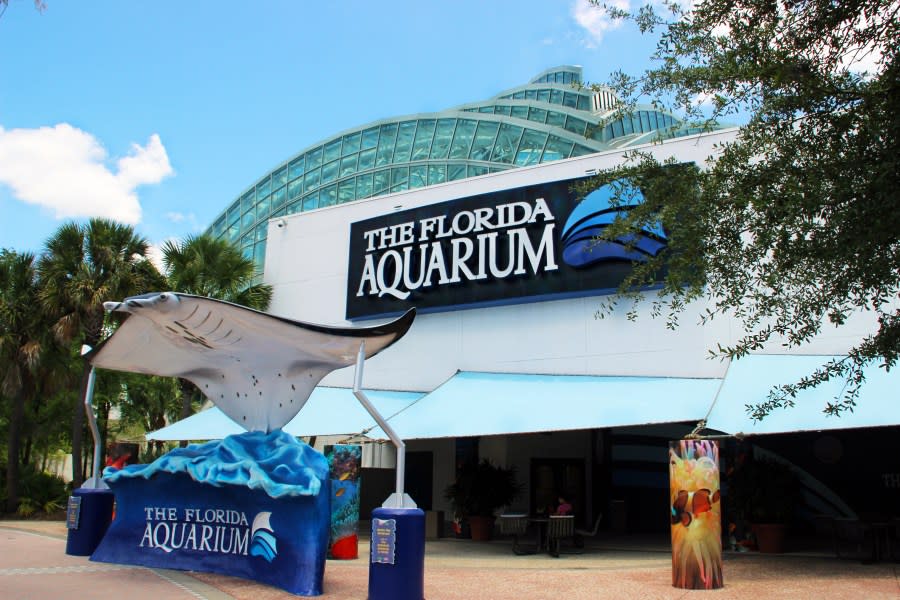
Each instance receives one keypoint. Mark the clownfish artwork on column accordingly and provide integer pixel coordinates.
(696, 519)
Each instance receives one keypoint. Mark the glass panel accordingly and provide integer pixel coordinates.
(418, 176)
(486, 110)
(219, 226)
(618, 129)
(311, 202)
(627, 124)
(280, 212)
(437, 174)
(422, 145)
(332, 150)
(501, 110)
(369, 138)
(556, 97)
(381, 181)
(584, 102)
(328, 196)
(462, 139)
(311, 181)
(347, 190)
(261, 231)
(247, 201)
(259, 255)
(519, 112)
(538, 115)
(248, 220)
(557, 119)
(296, 168)
(519, 96)
(295, 188)
(294, 207)
(351, 144)
(329, 171)
(475, 171)
(278, 197)
(440, 148)
(364, 186)
(348, 165)
(366, 159)
(580, 150)
(543, 95)
(263, 207)
(484, 140)
(313, 159)
(531, 94)
(404, 141)
(263, 188)
(507, 142)
(386, 144)
(455, 172)
(645, 121)
(530, 148)
(575, 125)
(399, 176)
(233, 231)
(234, 212)
(556, 149)
(279, 177)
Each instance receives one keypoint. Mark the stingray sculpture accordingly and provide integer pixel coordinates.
(259, 369)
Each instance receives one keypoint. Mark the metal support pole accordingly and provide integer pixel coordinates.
(96, 481)
(398, 499)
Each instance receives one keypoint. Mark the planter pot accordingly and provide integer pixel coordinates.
(481, 528)
(770, 537)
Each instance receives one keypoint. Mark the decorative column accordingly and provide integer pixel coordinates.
(695, 514)
(344, 461)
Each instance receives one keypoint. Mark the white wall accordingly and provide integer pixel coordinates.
(306, 263)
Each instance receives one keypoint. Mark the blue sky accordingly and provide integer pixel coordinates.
(159, 114)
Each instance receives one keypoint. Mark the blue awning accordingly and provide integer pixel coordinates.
(329, 411)
(472, 403)
(750, 379)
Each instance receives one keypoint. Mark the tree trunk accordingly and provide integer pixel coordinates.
(12, 456)
(187, 395)
(78, 428)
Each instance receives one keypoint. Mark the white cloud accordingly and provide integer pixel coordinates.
(175, 217)
(64, 170)
(154, 252)
(595, 21)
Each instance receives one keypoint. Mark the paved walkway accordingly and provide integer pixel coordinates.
(34, 566)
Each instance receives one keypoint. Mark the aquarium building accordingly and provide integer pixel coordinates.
(468, 215)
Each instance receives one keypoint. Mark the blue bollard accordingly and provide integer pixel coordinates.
(397, 555)
(88, 517)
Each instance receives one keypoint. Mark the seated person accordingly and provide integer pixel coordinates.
(563, 508)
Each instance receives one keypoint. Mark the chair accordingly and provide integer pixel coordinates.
(515, 525)
(580, 534)
(560, 527)
(849, 538)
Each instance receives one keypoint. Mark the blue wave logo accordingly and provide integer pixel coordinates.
(596, 212)
(262, 537)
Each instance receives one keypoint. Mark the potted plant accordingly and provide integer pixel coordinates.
(480, 489)
(764, 493)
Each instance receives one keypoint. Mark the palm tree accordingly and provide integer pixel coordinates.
(22, 344)
(84, 265)
(205, 266)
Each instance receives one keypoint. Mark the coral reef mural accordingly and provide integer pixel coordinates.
(695, 514)
(344, 462)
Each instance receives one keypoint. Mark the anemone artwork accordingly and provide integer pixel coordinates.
(696, 520)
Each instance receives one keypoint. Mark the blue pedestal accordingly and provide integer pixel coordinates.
(397, 558)
(173, 522)
(88, 517)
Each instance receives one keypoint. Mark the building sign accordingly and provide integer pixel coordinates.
(502, 247)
